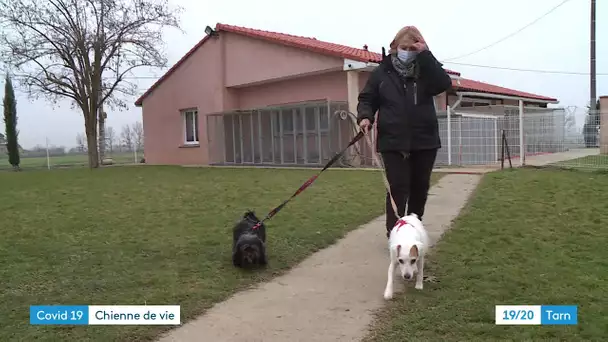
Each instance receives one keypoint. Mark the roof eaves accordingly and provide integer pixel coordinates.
(531, 96)
(171, 70)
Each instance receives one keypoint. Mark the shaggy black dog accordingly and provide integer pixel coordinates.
(248, 244)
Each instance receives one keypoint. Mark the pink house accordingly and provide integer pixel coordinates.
(284, 101)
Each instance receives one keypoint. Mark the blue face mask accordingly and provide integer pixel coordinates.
(405, 55)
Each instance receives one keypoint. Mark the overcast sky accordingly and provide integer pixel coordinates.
(560, 41)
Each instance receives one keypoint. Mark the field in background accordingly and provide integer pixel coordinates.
(68, 160)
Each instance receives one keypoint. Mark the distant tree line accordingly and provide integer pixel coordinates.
(84, 52)
(129, 139)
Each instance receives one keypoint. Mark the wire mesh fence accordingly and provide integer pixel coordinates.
(300, 134)
(589, 142)
(310, 133)
(475, 138)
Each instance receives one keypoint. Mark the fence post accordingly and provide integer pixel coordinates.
(252, 137)
(502, 149)
(522, 146)
(460, 141)
(449, 113)
(496, 137)
(260, 141)
(48, 158)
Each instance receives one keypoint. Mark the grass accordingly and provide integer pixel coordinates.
(528, 237)
(64, 161)
(589, 162)
(156, 235)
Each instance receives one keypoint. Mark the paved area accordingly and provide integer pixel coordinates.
(330, 296)
(471, 170)
(467, 170)
(546, 159)
(535, 160)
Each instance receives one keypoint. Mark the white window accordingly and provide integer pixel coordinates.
(190, 126)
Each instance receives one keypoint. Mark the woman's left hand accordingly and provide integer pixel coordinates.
(420, 44)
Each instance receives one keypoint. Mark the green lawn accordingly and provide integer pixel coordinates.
(65, 160)
(527, 237)
(156, 235)
(598, 162)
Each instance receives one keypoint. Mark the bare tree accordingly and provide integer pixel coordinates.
(83, 50)
(110, 139)
(569, 121)
(81, 140)
(138, 135)
(126, 137)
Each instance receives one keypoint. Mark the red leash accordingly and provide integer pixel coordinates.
(309, 181)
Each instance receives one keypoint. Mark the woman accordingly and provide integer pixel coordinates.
(402, 89)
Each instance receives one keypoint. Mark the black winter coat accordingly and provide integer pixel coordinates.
(407, 120)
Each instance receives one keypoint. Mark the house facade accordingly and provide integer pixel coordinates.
(286, 101)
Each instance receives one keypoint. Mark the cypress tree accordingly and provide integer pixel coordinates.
(10, 121)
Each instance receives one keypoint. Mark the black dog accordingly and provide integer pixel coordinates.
(248, 244)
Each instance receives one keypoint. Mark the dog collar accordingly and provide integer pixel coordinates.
(400, 223)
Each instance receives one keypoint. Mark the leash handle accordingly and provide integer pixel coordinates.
(310, 180)
(378, 160)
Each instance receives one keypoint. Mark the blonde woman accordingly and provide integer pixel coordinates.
(401, 90)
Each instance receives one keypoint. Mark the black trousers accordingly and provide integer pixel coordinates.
(409, 177)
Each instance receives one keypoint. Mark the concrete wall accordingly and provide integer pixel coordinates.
(197, 83)
(252, 61)
(331, 85)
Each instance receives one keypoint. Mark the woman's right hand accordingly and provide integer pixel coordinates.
(365, 124)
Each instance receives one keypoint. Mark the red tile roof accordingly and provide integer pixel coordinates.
(464, 84)
(307, 43)
(326, 48)
(311, 44)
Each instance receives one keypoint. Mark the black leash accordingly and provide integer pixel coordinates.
(310, 180)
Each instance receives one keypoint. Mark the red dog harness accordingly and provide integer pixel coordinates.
(400, 223)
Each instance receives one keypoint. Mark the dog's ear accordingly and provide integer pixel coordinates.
(414, 251)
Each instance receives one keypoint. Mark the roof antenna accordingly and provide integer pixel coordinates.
(210, 32)
(383, 52)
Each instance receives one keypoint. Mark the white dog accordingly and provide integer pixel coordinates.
(407, 245)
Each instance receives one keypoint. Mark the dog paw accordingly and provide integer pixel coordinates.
(388, 295)
(418, 286)
(431, 279)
